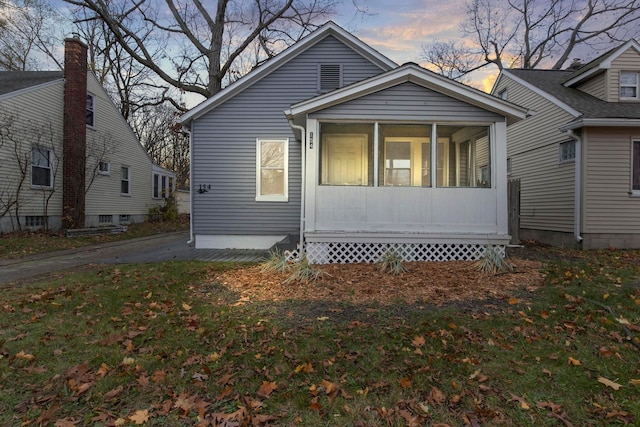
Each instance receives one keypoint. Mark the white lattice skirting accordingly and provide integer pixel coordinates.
(361, 252)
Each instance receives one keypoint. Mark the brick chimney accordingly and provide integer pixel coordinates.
(74, 145)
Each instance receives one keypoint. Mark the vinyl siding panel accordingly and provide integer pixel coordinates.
(609, 208)
(33, 117)
(596, 86)
(406, 102)
(224, 145)
(113, 135)
(628, 61)
(547, 187)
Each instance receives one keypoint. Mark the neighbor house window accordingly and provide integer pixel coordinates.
(629, 84)
(105, 219)
(104, 168)
(91, 112)
(272, 175)
(508, 166)
(567, 151)
(503, 94)
(41, 167)
(156, 185)
(635, 156)
(125, 181)
(124, 219)
(35, 221)
(329, 77)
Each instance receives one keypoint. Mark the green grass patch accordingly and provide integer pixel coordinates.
(166, 344)
(25, 243)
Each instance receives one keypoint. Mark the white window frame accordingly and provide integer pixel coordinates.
(50, 159)
(127, 179)
(634, 170)
(636, 86)
(561, 152)
(104, 168)
(272, 198)
(91, 109)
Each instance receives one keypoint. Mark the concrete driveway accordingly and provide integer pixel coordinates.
(159, 248)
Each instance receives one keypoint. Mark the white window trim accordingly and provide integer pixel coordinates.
(632, 192)
(560, 159)
(637, 86)
(272, 198)
(93, 110)
(128, 180)
(104, 172)
(51, 162)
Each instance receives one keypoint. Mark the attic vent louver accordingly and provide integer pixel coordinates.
(330, 77)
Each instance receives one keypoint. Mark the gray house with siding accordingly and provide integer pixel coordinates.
(335, 147)
(578, 155)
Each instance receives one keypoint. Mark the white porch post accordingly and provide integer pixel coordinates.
(499, 165)
(311, 178)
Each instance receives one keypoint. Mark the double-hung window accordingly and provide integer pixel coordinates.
(629, 85)
(635, 167)
(125, 181)
(91, 110)
(41, 167)
(272, 170)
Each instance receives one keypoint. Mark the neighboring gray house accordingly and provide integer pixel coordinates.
(67, 156)
(578, 155)
(329, 144)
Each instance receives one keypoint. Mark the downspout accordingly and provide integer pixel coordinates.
(190, 187)
(577, 214)
(303, 156)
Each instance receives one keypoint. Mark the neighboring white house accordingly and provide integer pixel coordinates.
(67, 156)
(578, 155)
(333, 146)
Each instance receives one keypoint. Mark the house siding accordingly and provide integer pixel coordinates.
(224, 149)
(547, 187)
(407, 102)
(596, 86)
(113, 132)
(627, 61)
(38, 115)
(609, 208)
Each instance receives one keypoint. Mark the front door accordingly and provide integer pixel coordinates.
(345, 160)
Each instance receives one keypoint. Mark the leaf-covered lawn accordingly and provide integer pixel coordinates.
(168, 344)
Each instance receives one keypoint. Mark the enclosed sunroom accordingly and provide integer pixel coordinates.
(407, 161)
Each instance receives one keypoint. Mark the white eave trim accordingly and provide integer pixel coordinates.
(414, 74)
(329, 29)
(605, 64)
(576, 124)
(545, 95)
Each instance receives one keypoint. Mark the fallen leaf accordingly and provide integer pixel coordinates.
(635, 382)
(186, 306)
(609, 383)
(140, 417)
(405, 382)
(267, 388)
(514, 301)
(25, 356)
(574, 362)
(418, 341)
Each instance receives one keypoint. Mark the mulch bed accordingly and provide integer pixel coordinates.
(424, 283)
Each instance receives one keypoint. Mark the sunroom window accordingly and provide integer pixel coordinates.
(404, 155)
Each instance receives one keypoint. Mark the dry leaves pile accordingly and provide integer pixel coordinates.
(424, 282)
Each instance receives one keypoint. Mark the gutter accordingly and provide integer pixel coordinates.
(191, 239)
(303, 156)
(577, 225)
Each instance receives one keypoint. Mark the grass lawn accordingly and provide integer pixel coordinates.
(21, 244)
(167, 344)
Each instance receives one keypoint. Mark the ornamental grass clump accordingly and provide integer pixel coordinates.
(492, 261)
(303, 271)
(276, 262)
(391, 262)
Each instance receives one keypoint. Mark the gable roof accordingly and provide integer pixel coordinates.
(550, 84)
(599, 64)
(415, 74)
(328, 29)
(13, 81)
